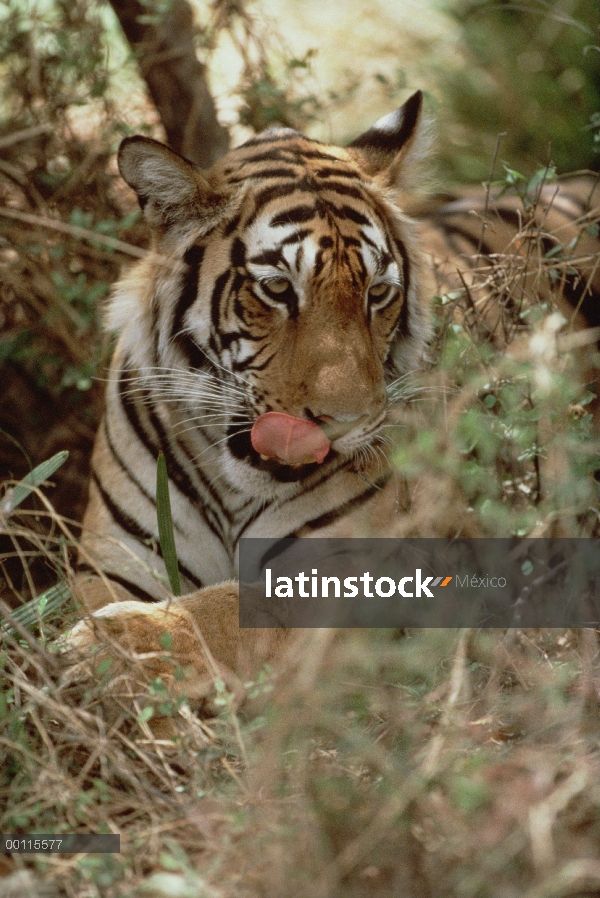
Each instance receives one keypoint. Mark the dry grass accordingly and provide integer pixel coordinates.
(384, 763)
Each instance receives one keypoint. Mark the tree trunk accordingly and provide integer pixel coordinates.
(176, 80)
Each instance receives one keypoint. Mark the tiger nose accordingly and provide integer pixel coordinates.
(346, 388)
(345, 411)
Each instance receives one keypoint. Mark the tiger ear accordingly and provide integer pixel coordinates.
(173, 194)
(384, 149)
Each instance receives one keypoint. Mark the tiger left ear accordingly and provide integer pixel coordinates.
(175, 197)
(383, 150)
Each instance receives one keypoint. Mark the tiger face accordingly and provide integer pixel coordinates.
(287, 291)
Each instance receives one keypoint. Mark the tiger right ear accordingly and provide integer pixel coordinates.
(173, 194)
(383, 150)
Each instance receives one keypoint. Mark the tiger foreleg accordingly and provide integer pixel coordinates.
(188, 642)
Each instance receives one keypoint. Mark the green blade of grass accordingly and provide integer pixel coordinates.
(42, 608)
(165, 525)
(35, 478)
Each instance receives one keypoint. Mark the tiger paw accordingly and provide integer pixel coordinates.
(128, 645)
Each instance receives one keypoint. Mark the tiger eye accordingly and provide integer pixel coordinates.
(378, 291)
(276, 285)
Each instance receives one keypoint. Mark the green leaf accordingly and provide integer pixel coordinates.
(542, 176)
(145, 714)
(166, 641)
(165, 525)
(104, 666)
(555, 251)
(34, 479)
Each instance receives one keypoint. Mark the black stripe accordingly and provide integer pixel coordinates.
(269, 257)
(130, 409)
(314, 480)
(354, 215)
(189, 289)
(277, 191)
(185, 485)
(278, 548)
(268, 137)
(383, 261)
(584, 205)
(402, 326)
(207, 485)
(406, 274)
(126, 523)
(295, 215)
(479, 245)
(155, 327)
(133, 588)
(399, 328)
(344, 190)
(319, 262)
(451, 237)
(182, 480)
(337, 172)
(130, 473)
(247, 523)
(230, 227)
(194, 355)
(247, 365)
(318, 154)
(230, 337)
(282, 172)
(358, 282)
(511, 216)
(342, 510)
(366, 239)
(176, 472)
(217, 293)
(113, 451)
(573, 289)
(238, 254)
(296, 237)
(295, 148)
(277, 154)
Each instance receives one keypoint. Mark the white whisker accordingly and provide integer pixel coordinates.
(217, 364)
(216, 443)
(179, 430)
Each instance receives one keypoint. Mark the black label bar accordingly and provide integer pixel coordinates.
(419, 583)
(67, 843)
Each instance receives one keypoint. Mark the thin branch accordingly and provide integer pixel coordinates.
(74, 231)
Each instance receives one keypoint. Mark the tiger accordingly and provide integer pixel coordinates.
(262, 343)
(496, 249)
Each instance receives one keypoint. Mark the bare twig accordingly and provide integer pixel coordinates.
(25, 134)
(74, 231)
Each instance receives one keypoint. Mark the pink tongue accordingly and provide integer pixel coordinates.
(288, 439)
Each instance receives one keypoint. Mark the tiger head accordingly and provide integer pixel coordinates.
(284, 296)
